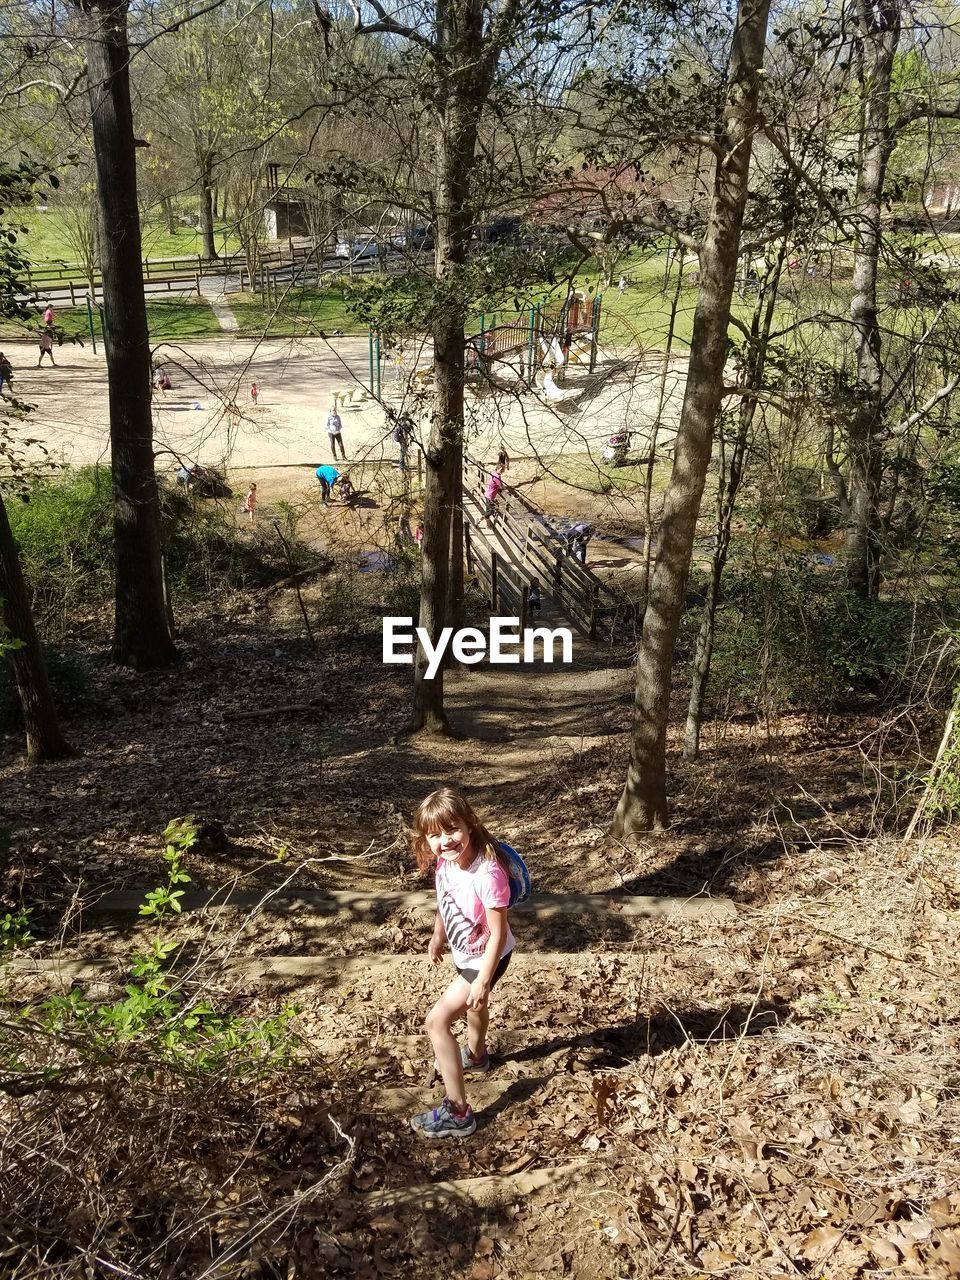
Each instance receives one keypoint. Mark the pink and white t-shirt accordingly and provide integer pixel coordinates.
(462, 899)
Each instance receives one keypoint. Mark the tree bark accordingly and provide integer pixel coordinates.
(468, 63)
(755, 364)
(878, 38)
(44, 739)
(166, 205)
(643, 804)
(206, 208)
(141, 635)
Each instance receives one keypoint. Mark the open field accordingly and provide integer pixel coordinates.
(46, 238)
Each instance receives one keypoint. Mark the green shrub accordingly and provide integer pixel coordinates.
(64, 528)
(795, 636)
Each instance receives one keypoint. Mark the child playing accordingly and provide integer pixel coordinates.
(533, 596)
(254, 392)
(492, 492)
(328, 477)
(46, 347)
(250, 501)
(473, 894)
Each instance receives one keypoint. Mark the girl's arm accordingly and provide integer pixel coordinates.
(438, 941)
(480, 987)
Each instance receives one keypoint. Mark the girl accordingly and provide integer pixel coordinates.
(250, 503)
(473, 893)
(492, 492)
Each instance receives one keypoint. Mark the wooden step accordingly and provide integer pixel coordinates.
(489, 1094)
(333, 902)
(487, 1190)
(333, 971)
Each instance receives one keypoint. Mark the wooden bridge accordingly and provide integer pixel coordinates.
(519, 545)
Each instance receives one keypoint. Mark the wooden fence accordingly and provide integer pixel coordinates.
(69, 275)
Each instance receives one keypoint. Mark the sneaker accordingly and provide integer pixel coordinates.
(442, 1123)
(474, 1066)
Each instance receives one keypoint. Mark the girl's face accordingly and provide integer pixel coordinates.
(451, 845)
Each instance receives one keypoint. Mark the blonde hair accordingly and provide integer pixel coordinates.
(441, 811)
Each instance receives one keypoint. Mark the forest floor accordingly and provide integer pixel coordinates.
(766, 1091)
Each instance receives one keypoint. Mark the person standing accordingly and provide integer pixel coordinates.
(328, 477)
(503, 458)
(402, 435)
(473, 901)
(6, 373)
(254, 392)
(250, 502)
(46, 347)
(48, 316)
(334, 428)
(577, 538)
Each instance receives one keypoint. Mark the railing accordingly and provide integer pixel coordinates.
(580, 594)
(501, 581)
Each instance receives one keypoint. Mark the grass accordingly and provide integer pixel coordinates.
(166, 318)
(299, 312)
(580, 472)
(46, 242)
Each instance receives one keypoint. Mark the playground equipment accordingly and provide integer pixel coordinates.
(554, 333)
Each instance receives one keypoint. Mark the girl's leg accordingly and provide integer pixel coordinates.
(451, 1006)
(477, 1023)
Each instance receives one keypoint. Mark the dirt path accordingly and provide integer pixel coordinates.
(673, 1093)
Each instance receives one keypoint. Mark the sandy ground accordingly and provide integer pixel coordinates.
(298, 378)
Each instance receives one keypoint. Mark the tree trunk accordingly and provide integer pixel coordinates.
(760, 329)
(44, 739)
(457, 604)
(643, 804)
(878, 38)
(206, 209)
(166, 206)
(141, 636)
(469, 65)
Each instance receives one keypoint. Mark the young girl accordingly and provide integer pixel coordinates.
(250, 503)
(473, 893)
(492, 492)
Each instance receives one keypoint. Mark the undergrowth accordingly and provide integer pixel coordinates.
(145, 1134)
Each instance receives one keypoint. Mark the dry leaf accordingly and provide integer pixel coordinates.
(820, 1242)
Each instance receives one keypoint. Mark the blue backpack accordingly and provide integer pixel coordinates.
(520, 885)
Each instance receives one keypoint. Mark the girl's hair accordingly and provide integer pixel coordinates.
(441, 811)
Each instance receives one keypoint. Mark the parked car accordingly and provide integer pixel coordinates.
(507, 227)
(420, 238)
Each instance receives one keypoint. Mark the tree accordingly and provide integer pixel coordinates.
(142, 637)
(457, 82)
(44, 738)
(20, 641)
(643, 803)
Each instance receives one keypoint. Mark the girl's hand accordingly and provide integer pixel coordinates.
(479, 994)
(435, 949)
